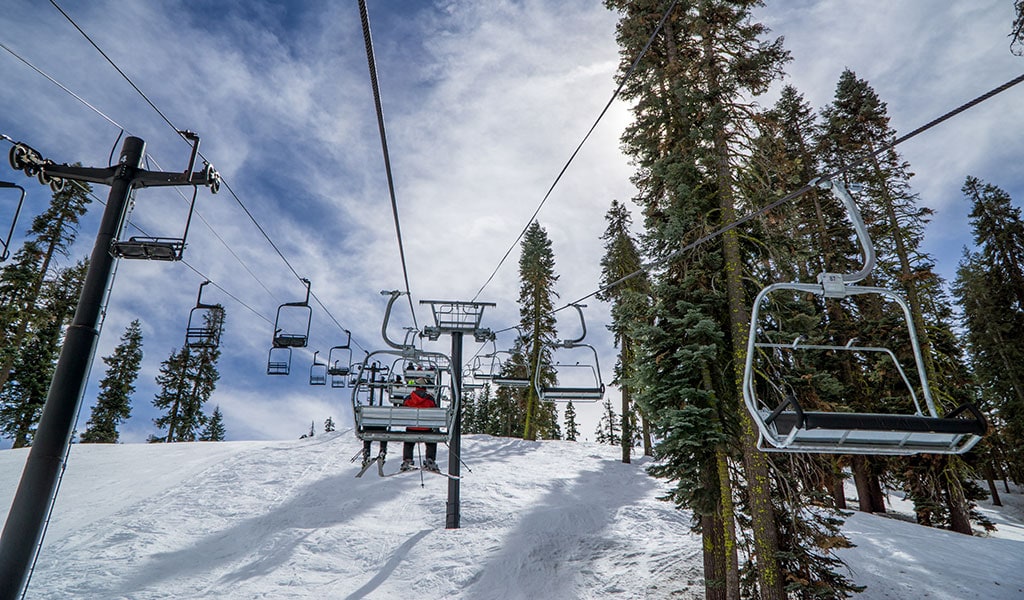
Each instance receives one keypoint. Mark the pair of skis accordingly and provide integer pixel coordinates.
(379, 461)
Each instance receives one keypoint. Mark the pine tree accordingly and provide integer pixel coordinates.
(630, 307)
(537, 324)
(988, 288)
(572, 430)
(214, 430)
(608, 428)
(23, 397)
(187, 380)
(329, 425)
(51, 235)
(114, 402)
(691, 132)
(467, 408)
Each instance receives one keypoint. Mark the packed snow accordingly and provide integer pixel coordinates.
(539, 520)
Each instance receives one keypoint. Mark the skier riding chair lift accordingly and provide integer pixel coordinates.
(395, 408)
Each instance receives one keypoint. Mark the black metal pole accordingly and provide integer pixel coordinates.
(23, 529)
(455, 438)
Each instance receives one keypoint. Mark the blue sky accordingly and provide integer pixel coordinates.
(484, 103)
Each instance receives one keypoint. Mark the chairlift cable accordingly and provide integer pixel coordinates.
(347, 332)
(184, 262)
(180, 134)
(365, 19)
(117, 68)
(615, 95)
(61, 86)
(222, 241)
(646, 268)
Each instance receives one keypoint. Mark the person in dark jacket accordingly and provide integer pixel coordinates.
(420, 398)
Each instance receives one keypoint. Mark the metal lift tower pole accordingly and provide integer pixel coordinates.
(457, 318)
(24, 526)
(453, 514)
(32, 502)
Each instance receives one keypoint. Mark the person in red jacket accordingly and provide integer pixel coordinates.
(420, 398)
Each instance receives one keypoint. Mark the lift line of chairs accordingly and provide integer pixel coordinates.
(783, 414)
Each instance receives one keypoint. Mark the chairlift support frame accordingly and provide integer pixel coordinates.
(169, 248)
(787, 427)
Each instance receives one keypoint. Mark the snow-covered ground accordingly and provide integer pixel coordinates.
(539, 520)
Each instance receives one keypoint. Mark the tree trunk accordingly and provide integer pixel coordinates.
(959, 519)
(714, 557)
(731, 559)
(626, 356)
(862, 479)
(766, 539)
(877, 496)
(836, 485)
(991, 478)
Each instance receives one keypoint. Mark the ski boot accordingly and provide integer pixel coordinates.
(431, 465)
(407, 465)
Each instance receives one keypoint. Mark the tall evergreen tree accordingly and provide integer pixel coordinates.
(690, 135)
(187, 379)
(988, 287)
(609, 430)
(23, 398)
(630, 308)
(50, 237)
(114, 402)
(537, 324)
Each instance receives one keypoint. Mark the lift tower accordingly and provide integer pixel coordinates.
(456, 318)
(24, 527)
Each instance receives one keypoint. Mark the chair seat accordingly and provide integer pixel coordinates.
(385, 423)
(870, 433)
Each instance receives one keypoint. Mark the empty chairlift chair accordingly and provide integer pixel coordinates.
(205, 323)
(291, 330)
(499, 368)
(339, 363)
(6, 251)
(780, 392)
(317, 371)
(580, 381)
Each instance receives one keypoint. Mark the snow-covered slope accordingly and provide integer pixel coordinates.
(539, 520)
